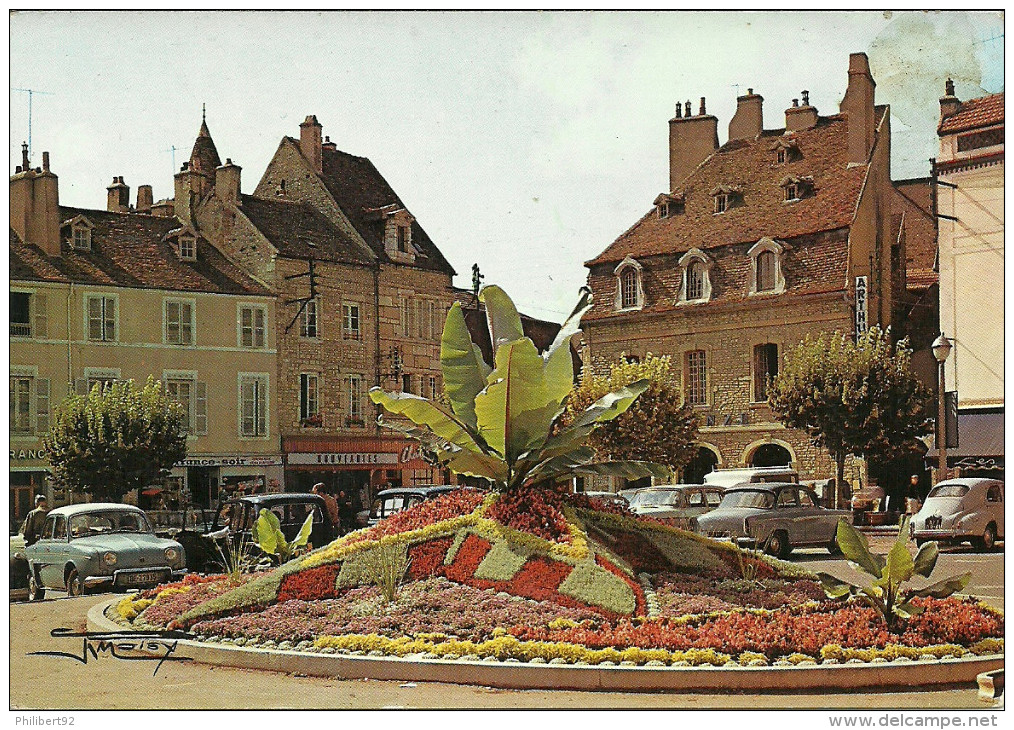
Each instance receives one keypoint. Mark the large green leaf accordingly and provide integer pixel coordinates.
(604, 409)
(471, 463)
(926, 559)
(502, 315)
(515, 412)
(304, 534)
(899, 564)
(559, 363)
(427, 413)
(855, 548)
(945, 587)
(464, 370)
(833, 587)
(269, 535)
(908, 609)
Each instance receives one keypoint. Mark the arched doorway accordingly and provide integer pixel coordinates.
(771, 455)
(703, 462)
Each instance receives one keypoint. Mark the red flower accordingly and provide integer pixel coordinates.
(311, 584)
(427, 558)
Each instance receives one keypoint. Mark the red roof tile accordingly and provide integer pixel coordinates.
(981, 112)
(913, 199)
(751, 164)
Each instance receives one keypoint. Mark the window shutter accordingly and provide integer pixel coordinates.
(41, 318)
(94, 318)
(201, 408)
(261, 391)
(186, 323)
(41, 405)
(259, 328)
(109, 307)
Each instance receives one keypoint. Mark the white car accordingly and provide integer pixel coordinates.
(962, 510)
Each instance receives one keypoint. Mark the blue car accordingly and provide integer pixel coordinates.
(100, 545)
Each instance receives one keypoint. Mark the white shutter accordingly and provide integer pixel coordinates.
(41, 405)
(41, 330)
(201, 408)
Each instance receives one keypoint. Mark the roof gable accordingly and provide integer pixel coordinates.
(981, 112)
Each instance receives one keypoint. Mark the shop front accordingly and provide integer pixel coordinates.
(200, 478)
(360, 467)
(28, 477)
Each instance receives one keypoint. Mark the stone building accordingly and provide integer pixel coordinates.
(968, 181)
(104, 295)
(371, 313)
(776, 234)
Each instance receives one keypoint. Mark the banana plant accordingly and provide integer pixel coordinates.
(268, 536)
(501, 424)
(887, 594)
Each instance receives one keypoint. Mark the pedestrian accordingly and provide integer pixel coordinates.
(329, 501)
(36, 519)
(345, 510)
(914, 501)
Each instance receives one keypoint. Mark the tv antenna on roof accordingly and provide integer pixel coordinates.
(30, 92)
(172, 150)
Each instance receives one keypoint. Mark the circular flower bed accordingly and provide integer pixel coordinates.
(545, 577)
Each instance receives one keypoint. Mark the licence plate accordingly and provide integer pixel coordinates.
(150, 576)
(932, 523)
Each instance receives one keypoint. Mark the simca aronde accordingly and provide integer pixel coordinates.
(959, 510)
(676, 504)
(110, 545)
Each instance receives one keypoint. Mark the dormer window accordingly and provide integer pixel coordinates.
(80, 233)
(721, 203)
(780, 155)
(696, 280)
(796, 188)
(786, 150)
(397, 223)
(629, 285)
(188, 248)
(726, 196)
(669, 206)
(792, 192)
(766, 275)
(404, 237)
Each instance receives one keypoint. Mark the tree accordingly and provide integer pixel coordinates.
(851, 397)
(116, 439)
(658, 426)
(500, 424)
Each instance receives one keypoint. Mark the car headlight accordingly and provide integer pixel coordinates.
(171, 554)
(109, 558)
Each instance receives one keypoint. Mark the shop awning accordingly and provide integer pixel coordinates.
(980, 435)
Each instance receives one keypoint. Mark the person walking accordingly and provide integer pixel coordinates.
(332, 505)
(36, 519)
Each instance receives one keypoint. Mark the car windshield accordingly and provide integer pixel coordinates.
(98, 523)
(949, 490)
(655, 498)
(749, 498)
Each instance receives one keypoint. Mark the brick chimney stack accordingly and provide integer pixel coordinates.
(748, 121)
(144, 198)
(35, 204)
(949, 103)
(309, 142)
(227, 182)
(691, 140)
(163, 208)
(858, 104)
(118, 196)
(800, 117)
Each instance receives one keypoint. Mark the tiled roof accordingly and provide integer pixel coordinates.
(762, 211)
(291, 226)
(913, 199)
(981, 112)
(359, 189)
(129, 249)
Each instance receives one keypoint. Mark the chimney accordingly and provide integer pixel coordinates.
(800, 117)
(858, 104)
(748, 121)
(949, 103)
(163, 208)
(329, 145)
(35, 205)
(691, 141)
(118, 196)
(144, 198)
(227, 180)
(309, 142)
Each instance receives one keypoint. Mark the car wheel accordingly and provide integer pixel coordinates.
(35, 590)
(74, 585)
(988, 540)
(778, 545)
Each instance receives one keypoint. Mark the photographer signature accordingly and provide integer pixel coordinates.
(157, 646)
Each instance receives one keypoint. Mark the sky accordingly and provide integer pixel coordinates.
(525, 142)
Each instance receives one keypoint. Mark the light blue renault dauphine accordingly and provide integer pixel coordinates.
(85, 546)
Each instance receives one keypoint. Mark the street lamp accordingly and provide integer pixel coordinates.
(941, 349)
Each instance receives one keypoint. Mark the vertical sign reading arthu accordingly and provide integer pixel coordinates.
(860, 305)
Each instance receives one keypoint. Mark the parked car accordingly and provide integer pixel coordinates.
(235, 518)
(608, 497)
(774, 517)
(752, 475)
(678, 505)
(394, 500)
(962, 510)
(85, 546)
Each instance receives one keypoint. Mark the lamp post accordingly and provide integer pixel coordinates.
(941, 349)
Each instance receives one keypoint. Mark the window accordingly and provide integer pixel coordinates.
(309, 413)
(788, 498)
(765, 368)
(406, 383)
(355, 398)
(308, 320)
(695, 280)
(60, 528)
(179, 322)
(696, 283)
(721, 203)
(726, 196)
(766, 271)
(81, 238)
(697, 378)
(182, 392)
(792, 192)
(252, 326)
(29, 404)
(101, 319)
(403, 239)
(766, 276)
(628, 289)
(350, 321)
(407, 315)
(805, 500)
(994, 493)
(21, 319)
(433, 388)
(421, 319)
(780, 155)
(253, 399)
(188, 248)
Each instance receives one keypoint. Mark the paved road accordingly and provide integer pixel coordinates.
(44, 682)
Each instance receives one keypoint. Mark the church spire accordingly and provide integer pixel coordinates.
(204, 158)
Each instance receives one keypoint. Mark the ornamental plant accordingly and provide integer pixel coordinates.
(501, 419)
(268, 536)
(887, 595)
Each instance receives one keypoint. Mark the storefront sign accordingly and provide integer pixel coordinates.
(861, 304)
(410, 453)
(344, 459)
(231, 461)
(27, 454)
